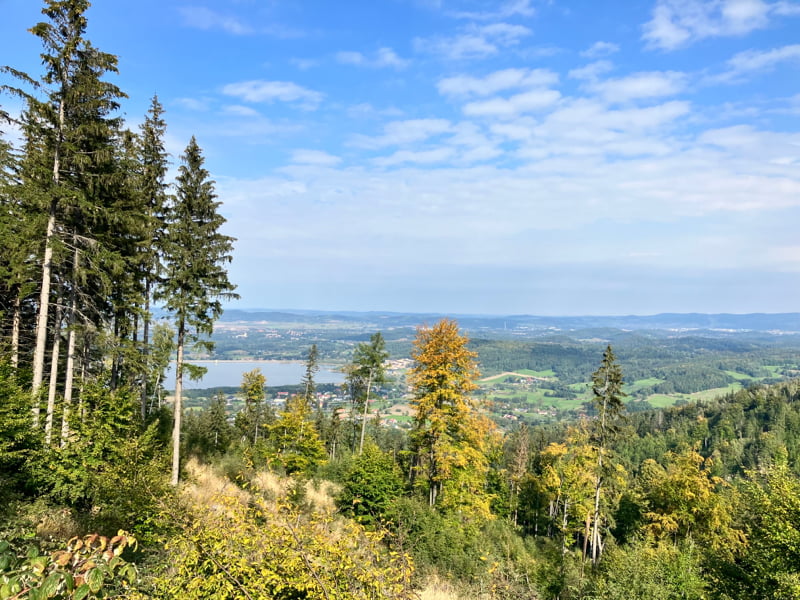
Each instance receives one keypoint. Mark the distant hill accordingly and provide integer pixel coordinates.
(782, 322)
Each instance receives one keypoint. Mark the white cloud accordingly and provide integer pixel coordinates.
(304, 63)
(474, 42)
(384, 57)
(315, 158)
(531, 101)
(678, 23)
(600, 49)
(196, 104)
(785, 8)
(398, 133)
(592, 71)
(347, 57)
(466, 85)
(204, 18)
(761, 60)
(425, 157)
(240, 111)
(270, 91)
(654, 84)
(366, 110)
(511, 8)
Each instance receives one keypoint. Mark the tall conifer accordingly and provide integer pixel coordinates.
(74, 133)
(195, 254)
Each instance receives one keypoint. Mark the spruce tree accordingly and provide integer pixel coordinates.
(153, 164)
(607, 398)
(312, 366)
(195, 253)
(72, 133)
(364, 372)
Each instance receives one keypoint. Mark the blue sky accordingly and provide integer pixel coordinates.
(480, 157)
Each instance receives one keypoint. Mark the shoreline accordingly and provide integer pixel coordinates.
(280, 361)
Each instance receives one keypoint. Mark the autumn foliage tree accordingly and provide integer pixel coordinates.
(450, 439)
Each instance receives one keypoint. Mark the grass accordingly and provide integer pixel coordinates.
(740, 376)
(715, 392)
(662, 400)
(639, 384)
(547, 373)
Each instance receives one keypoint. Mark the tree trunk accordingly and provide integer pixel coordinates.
(16, 320)
(596, 550)
(53, 388)
(47, 267)
(68, 383)
(364, 417)
(44, 305)
(178, 407)
(146, 347)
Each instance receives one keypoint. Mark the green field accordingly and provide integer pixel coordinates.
(713, 393)
(547, 373)
(661, 400)
(640, 384)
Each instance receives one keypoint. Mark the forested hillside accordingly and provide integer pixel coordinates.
(109, 489)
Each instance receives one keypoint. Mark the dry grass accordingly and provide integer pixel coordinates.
(272, 485)
(56, 524)
(320, 495)
(205, 487)
(436, 589)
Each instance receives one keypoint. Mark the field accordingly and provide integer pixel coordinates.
(532, 395)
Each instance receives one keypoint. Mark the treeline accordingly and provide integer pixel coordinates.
(94, 235)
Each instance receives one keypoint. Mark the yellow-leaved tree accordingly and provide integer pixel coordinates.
(450, 439)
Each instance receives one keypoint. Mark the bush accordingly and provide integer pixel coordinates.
(371, 484)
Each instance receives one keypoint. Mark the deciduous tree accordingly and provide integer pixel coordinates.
(450, 438)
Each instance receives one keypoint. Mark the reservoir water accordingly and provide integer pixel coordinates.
(228, 373)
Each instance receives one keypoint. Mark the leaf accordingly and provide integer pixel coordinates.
(81, 592)
(95, 579)
(50, 585)
(39, 564)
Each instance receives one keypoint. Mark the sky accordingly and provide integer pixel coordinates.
(510, 157)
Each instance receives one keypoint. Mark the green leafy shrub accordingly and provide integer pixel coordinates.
(88, 568)
(371, 484)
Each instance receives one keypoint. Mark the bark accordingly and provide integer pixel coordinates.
(44, 305)
(146, 347)
(596, 541)
(364, 416)
(47, 268)
(16, 320)
(176, 428)
(53, 388)
(70, 368)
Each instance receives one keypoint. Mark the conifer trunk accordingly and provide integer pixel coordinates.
(16, 320)
(53, 387)
(364, 417)
(47, 267)
(146, 347)
(70, 367)
(44, 305)
(178, 406)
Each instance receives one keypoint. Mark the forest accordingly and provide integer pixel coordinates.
(107, 490)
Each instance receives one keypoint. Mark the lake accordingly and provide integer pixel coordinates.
(228, 373)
